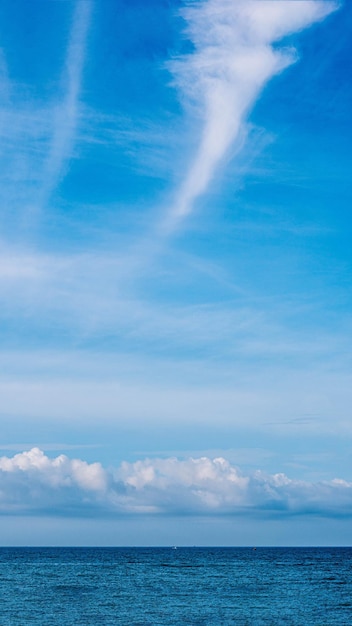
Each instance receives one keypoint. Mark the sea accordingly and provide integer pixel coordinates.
(175, 586)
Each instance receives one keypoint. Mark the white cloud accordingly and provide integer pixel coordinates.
(37, 139)
(91, 295)
(232, 61)
(4, 93)
(67, 113)
(32, 482)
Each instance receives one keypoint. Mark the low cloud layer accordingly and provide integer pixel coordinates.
(33, 483)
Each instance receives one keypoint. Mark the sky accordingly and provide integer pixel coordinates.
(175, 263)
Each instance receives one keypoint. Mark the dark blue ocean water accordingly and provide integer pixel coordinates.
(164, 586)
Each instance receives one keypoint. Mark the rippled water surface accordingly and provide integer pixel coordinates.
(165, 586)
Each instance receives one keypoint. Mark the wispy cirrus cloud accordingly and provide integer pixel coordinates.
(67, 112)
(235, 54)
(37, 138)
(86, 295)
(31, 482)
(5, 86)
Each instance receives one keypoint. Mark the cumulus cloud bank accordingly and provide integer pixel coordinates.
(32, 483)
(235, 55)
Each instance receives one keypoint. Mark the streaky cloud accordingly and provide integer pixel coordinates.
(4, 80)
(67, 112)
(5, 90)
(235, 55)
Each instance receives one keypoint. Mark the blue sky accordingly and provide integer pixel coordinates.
(175, 268)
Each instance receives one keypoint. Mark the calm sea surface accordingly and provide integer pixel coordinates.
(164, 586)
